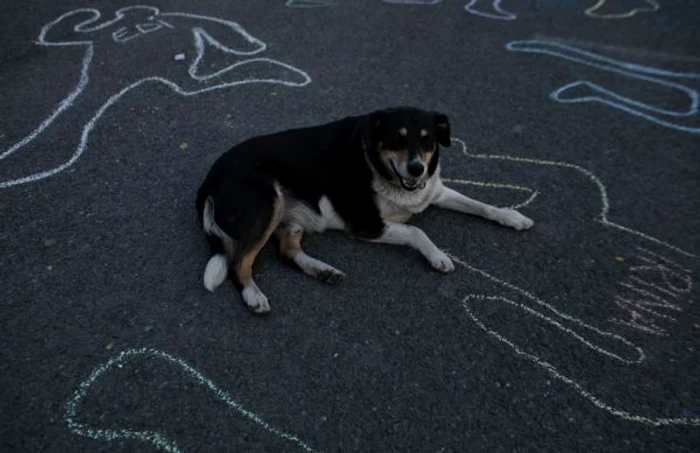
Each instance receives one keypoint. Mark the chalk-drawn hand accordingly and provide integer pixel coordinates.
(150, 396)
(655, 286)
(511, 218)
(490, 9)
(583, 91)
(134, 48)
(610, 9)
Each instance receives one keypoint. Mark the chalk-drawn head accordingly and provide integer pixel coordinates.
(403, 144)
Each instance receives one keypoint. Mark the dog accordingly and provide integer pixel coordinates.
(366, 175)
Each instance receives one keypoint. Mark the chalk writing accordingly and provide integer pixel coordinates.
(660, 274)
(492, 11)
(81, 27)
(592, 92)
(152, 437)
(655, 288)
(646, 6)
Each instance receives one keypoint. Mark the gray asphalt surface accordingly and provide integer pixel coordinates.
(580, 335)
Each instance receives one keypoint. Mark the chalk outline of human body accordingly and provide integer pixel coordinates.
(157, 20)
(529, 305)
(624, 68)
(533, 305)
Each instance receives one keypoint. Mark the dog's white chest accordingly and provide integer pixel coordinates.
(398, 205)
(392, 212)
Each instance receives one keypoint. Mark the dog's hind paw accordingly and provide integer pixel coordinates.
(255, 299)
(511, 218)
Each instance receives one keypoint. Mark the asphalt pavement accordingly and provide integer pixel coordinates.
(579, 335)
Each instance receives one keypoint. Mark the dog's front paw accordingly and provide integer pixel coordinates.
(512, 218)
(441, 262)
(331, 275)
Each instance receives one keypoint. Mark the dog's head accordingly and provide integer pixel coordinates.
(403, 144)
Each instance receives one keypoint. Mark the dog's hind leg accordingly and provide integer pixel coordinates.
(289, 236)
(254, 231)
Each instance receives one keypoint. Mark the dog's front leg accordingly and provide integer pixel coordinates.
(398, 233)
(451, 199)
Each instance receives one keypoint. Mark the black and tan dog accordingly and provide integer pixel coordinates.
(366, 175)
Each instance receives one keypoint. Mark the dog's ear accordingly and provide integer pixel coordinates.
(442, 129)
(372, 127)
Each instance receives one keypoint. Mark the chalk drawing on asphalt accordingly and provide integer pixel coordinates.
(645, 6)
(490, 9)
(130, 27)
(157, 439)
(582, 91)
(309, 3)
(413, 2)
(671, 279)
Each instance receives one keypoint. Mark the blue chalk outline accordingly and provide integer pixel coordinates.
(624, 68)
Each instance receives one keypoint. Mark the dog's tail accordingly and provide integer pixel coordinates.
(217, 268)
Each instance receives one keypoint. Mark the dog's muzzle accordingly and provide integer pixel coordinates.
(409, 184)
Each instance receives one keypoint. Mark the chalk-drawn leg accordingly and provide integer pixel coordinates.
(582, 91)
(610, 9)
(289, 236)
(451, 199)
(596, 343)
(152, 397)
(490, 9)
(400, 234)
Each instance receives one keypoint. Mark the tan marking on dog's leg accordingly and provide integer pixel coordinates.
(243, 268)
(290, 248)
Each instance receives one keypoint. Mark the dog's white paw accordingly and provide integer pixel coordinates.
(512, 218)
(255, 299)
(441, 262)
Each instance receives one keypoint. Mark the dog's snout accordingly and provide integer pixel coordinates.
(415, 168)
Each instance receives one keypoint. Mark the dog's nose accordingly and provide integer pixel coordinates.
(415, 168)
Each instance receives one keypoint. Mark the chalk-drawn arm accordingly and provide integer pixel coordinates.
(64, 29)
(227, 36)
(220, 50)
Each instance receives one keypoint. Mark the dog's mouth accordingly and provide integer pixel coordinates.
(409, 184)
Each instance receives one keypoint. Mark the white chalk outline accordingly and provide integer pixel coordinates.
(413, 2)
(551, 313)
(309, 3)
(200, 37)
(604, 201)
(152, 437)
(496, 4)
(652, 7)
(627, 69)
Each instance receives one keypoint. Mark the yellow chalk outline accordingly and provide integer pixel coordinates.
(590, 11)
